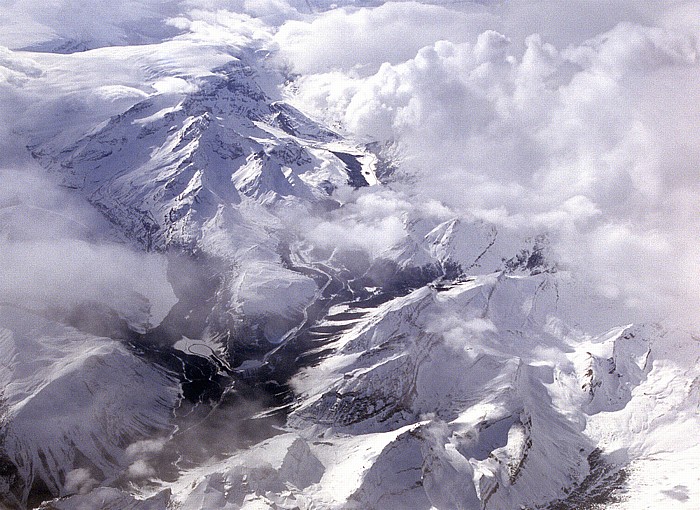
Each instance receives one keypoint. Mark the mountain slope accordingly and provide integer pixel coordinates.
(163, 168)
(69, 406)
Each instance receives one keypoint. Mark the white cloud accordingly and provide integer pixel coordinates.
(393, 32)
(139, 455)
(55, 253)
(79, 481)
(372, 221)
(140, 469)
(595, 142)
(33, 23)
(144, 447)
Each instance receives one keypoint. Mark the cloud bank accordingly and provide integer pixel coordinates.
(590, 136)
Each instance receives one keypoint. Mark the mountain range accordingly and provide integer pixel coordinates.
(299, 337)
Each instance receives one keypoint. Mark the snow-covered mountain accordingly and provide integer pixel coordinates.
(169, 164)
(218, 295)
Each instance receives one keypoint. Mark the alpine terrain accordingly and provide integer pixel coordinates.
(349, 255)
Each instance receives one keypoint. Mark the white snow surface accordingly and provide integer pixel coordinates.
(473, 397)
(69, 402)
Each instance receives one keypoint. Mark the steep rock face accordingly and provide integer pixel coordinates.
(614, 367)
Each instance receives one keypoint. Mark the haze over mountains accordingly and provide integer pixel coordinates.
(338, 255)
